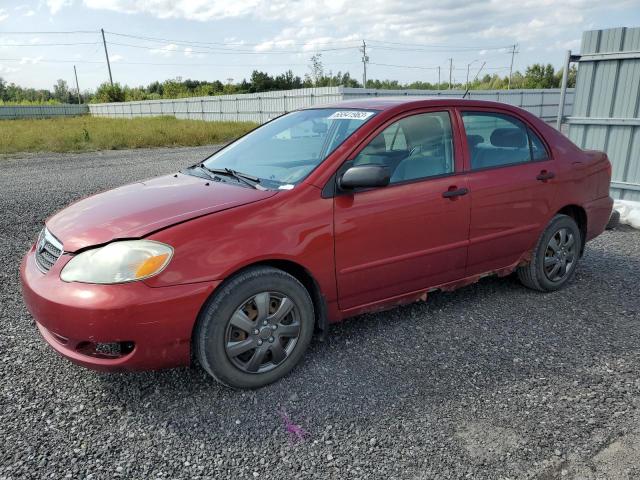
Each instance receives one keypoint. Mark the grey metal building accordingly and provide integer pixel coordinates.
(606, 110)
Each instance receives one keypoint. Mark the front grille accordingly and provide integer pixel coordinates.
(48, 250)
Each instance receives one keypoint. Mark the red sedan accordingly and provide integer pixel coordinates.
(318, 215)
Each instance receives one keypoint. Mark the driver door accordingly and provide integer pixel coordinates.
(407, 236)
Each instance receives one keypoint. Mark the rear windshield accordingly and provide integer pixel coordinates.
(284, 151)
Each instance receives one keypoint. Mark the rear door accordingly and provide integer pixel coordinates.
(512, 188)
(407, 236)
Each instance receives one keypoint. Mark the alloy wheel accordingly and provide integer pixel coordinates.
(262, 332)
(560, 255)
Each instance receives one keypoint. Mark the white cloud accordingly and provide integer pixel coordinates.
(8, 42)
(116, 58)
(29, 13)
(202, 10)
(31, 60)
(166, 51)
(6, 69)
(315, 23)
(56, 5)
(234, 40)
(189, 53)
(3, 14)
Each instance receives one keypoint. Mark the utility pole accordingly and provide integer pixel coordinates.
(106, 54)
(513, 53)
(563, 88)
(450, 71)
(77, 86)
(365, 60)
(438, 78)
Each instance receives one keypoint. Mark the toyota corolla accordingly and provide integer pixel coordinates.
(318, 215)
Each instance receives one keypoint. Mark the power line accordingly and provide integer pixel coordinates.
(200, 48)
(240, 44)
(432, 49)
(460, 69)
(51, 60)
(384, 44)
(403, 66)
(381, 44)
(222, 51)
(53, 33)
(450, 47)
(46, 44)
(237, 64)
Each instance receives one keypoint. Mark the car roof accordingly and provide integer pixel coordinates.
(387, 103)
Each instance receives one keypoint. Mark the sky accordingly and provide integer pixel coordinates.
(407, 40)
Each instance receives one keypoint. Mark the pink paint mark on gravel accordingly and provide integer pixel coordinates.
(296, 432)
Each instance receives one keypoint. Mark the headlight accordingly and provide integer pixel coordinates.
(118, 262)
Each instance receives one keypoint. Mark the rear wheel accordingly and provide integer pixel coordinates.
(255, 329)
(555, 257)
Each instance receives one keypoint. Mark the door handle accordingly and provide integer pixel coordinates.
(455, 192)
(543, 176)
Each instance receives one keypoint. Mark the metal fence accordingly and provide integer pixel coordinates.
(42, 111)
(250, 107)
(607, 104)
(541, 102)
(260, 107)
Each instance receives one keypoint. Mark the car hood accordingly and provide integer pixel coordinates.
(135, 210)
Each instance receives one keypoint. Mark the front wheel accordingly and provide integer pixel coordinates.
(255, 329)
(555, 257)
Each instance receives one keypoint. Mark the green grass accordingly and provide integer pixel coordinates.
(81, 134)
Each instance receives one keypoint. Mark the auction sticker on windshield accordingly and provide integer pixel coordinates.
(350, 115)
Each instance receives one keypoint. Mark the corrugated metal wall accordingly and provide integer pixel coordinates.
(251, 107)
(42, 111)
(541, 102)
(606, 112)
(260, 107)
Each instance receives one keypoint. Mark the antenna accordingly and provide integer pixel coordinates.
(466, 92)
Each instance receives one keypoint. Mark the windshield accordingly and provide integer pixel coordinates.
(284, 151)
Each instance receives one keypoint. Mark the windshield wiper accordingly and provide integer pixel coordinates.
(204, 171)
(241, 177)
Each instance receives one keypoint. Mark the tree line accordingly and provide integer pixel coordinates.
(535, 76)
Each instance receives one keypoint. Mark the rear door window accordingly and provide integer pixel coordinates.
(496, 139)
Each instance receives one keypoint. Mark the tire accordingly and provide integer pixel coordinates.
(555, 257)
(614, 220)
(255, 328)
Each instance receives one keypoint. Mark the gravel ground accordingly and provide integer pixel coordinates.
(491, 381)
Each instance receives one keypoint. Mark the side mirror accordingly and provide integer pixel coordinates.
(365, 176)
